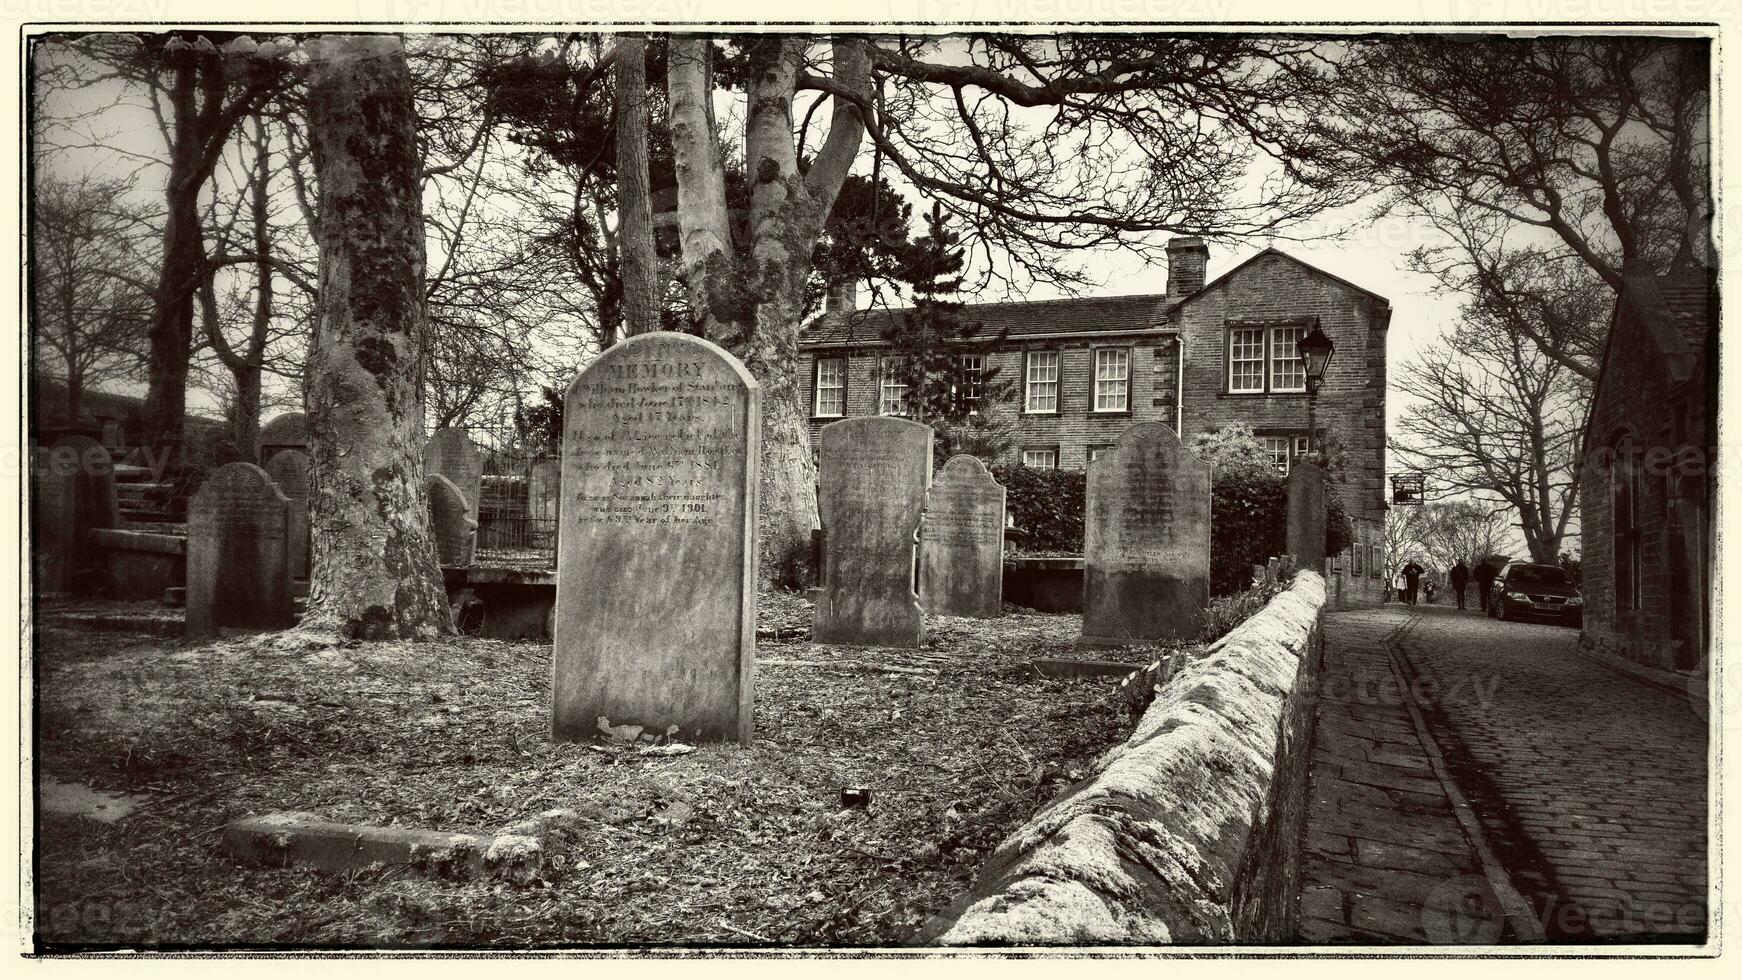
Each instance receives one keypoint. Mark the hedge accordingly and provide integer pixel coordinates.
(1248, 517)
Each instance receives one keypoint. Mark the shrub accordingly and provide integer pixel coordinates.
(1047, 504)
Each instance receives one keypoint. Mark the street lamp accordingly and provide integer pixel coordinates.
(1316, 350)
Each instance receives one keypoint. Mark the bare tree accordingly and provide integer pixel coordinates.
(1461, 530)
(90, 283)
(1551, 165)
(374, 565)
(1496, 416)
(1037, 145)
(640, 267)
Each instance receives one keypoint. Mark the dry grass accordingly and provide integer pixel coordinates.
(725, 846)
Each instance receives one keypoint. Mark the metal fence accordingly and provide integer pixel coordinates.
(518, 498)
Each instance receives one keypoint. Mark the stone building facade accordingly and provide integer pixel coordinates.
(1646, 488)
(1200, 356)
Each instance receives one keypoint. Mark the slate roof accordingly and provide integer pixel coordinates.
(1080, 315)
(1677, 312)
(1087, 314)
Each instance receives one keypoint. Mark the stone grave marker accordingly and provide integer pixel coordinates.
(289, 469)
(655, 622)
(84, 467)
(1306, 516)
(286, 431)
(450, 521)
(51, 521)
(238, 553)
(871, 492)
(544, 488)
(961, 542)
(450, 452)
(1146, 541)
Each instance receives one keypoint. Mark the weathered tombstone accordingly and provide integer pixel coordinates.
(655, 624)
(85, 463)
(287, 431)
(51, 521)
(871, 492)
(1146, 541)
(450, 521)
(289, 469)
(238, 553)
(961, 543)
(450, 452)
(1306, 516)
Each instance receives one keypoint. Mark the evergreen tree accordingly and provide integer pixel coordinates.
(939, 355)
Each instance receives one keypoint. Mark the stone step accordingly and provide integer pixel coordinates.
(131, 473)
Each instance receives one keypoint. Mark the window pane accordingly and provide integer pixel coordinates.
(1246, 359)
(970, 380)
(1287, 369)
(1043, 459)
(831, 387)
(1277, 448)
(1112, 370)
(1043, 382)
(892, 399)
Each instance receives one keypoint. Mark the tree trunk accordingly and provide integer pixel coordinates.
(374, 570)
(634, 201)
(172, 318)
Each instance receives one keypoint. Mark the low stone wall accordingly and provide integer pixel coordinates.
(1189, 832)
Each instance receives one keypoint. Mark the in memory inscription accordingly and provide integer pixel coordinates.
(655, 622)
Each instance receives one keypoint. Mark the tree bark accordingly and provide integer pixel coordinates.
(634, 199)
(374, 572)
(752, 301)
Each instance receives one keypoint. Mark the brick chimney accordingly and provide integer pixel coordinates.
(1186, 258)
(843, 297)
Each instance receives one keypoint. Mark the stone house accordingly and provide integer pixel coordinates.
(1202, 355)
(1646, 484)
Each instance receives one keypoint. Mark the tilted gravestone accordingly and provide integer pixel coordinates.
(450, 452)
(870, 494)
(84, 469)
(655, 623)
(961, 543)
(1146, 541)
(238, 553)
(286, 431)
(289, 469)
(1306, 516)
(450, 521)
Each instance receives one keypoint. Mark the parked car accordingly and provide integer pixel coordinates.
(1523, 590)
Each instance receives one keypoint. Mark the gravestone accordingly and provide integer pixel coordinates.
(51, 522)
(655, 623)
(286, 431)
(289, 469)
(961, 544)
(450, 521)
(450, 452)
(83, 467)
(870, 494)
(1306, 516)
(1146, 541)
(544, 489)
(238, 553)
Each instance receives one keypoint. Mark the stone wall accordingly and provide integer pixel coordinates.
(1189, 832)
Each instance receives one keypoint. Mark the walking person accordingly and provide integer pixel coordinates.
(1460, 577)
(1412, 574)
(1484, 584)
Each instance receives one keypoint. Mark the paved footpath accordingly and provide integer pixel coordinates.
(1478, 781)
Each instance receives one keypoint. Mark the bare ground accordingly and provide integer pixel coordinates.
(723, 846)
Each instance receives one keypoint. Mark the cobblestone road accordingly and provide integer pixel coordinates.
(1584, 788)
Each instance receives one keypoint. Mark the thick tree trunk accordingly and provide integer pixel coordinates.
(374, 570)
(172, 319)
(752, 301)
(634, 201)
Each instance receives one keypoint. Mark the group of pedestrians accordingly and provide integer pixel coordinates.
(1410, 587)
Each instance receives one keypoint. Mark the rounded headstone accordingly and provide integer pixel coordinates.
(450, 452)
(656, 561)
(238, 553)
(450, 522)
(289, 469)
(961, 543)
(286, 431)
